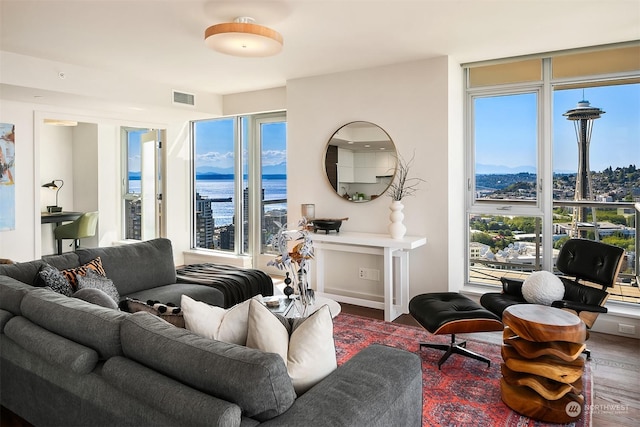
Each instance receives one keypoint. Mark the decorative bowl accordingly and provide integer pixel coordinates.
(327, 224)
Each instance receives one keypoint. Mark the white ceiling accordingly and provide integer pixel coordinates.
(162, 40)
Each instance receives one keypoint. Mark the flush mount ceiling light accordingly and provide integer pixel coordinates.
(243, 37)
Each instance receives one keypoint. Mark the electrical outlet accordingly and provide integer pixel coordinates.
(369, 274)
(626, 329)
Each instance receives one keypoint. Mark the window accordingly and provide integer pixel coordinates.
(506, 141)
(544, 161)
(142, 183)
(239, 182)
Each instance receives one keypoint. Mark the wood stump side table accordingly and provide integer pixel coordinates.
(542, 369)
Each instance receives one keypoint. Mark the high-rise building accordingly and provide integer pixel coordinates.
(205, 224)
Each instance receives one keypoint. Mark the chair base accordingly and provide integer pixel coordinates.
(455, 348)
(75, 244)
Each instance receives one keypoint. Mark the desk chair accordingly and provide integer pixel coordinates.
(83, 227)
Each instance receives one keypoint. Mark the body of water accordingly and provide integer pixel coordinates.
(222, 189)
(274, 189)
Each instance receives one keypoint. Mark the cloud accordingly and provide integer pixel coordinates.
(214, 158)
(273, 157)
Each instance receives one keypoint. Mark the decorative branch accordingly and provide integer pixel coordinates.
(402, 185)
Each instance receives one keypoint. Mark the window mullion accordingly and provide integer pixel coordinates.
(545, 176)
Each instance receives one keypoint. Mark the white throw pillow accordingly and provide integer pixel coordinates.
(309, 353)
(542, 287)
(206, 320)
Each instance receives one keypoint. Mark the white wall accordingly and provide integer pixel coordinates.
(410, 102)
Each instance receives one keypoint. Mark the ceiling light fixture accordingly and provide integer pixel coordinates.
(243, 37)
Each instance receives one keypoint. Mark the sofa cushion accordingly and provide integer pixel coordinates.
(4, 318)
(51, 347)
(88, 324)
(25, 272)
(93, 280)
(53, 278)
(307, 349)
(72, 273)
(136, 267)
(228, 325)
(255, 381)
(171, 397)
(62, 261)
(11, 293)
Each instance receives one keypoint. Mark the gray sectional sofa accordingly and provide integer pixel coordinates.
(65, 361)
(142, 271)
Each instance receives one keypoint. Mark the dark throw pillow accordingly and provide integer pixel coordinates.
(52, 277)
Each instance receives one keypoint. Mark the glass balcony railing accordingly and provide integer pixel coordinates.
(511, 246)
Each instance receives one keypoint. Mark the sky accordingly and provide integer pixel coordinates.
(506, 134)
(214, 146)
(506, 130)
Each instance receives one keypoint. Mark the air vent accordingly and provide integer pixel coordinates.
(183, 98)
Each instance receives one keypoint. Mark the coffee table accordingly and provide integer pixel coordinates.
(542, 369)
(294, 309)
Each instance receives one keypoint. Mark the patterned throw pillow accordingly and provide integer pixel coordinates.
(54, 279)
(133, 305)
(93, 280)
(72, 273)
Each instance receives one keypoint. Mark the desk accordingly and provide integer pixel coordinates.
(396, 299)
(58, 218)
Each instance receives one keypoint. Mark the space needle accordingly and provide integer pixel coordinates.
(583, 117)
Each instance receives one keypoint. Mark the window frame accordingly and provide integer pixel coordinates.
(247, 160)
(545, 203)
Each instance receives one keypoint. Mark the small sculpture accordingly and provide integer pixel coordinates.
(288, 289)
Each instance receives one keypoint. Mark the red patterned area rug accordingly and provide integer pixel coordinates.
(464, 393)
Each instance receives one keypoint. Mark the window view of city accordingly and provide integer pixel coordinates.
(216, 182)
(596, 179)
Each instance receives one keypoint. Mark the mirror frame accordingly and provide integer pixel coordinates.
(354, 135)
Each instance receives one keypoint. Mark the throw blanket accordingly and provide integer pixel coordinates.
(237, 284)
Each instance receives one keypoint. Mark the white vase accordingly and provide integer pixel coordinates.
(397, 230)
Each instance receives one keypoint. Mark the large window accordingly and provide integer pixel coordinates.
(553, 150)
(239, 182)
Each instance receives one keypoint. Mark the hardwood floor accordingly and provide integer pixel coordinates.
(615, 366)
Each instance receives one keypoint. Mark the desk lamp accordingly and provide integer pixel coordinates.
(52, 185)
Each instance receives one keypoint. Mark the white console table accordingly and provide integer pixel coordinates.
(396, 283)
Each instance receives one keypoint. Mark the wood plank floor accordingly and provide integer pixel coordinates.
(615, 364)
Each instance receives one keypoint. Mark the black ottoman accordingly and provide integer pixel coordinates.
(451, 313)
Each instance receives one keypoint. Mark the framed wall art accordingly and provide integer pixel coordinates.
(7, 177)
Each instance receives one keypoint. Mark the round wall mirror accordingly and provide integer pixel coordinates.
(360, 161)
